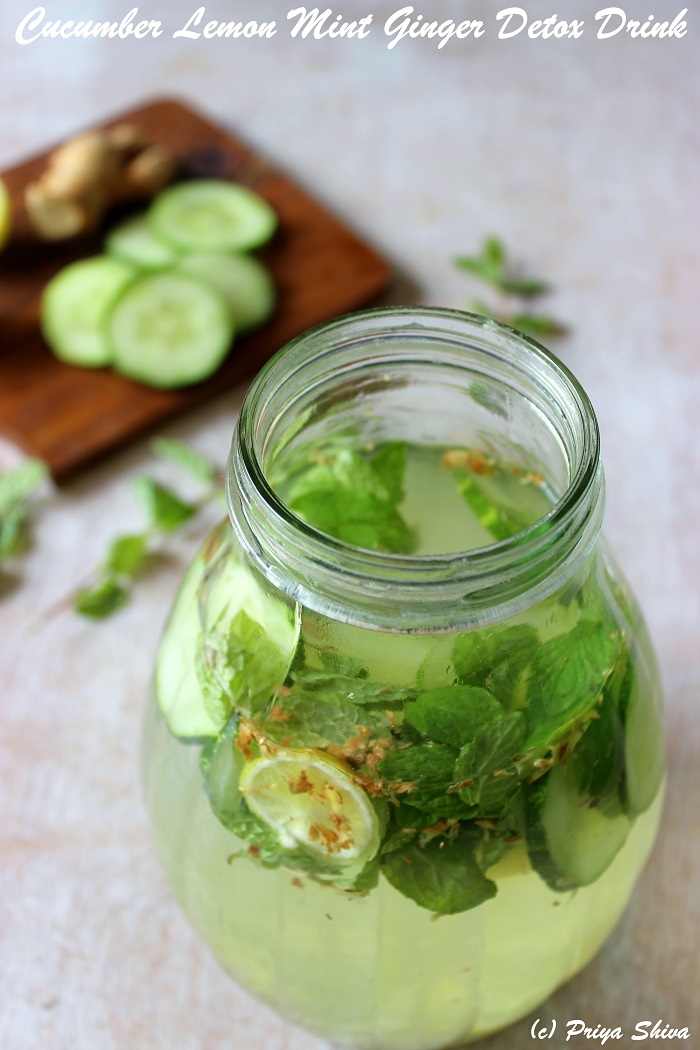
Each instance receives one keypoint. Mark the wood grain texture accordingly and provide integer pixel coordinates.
(71, 416)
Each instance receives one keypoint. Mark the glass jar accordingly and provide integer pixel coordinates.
(405, 683)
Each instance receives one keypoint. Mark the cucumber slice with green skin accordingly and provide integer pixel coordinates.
(211, 215)
(571, 841)
(132, 242)
(251, 637)
(169, 330)
(74, 307)
(243, 281)
(645, 759)
(178, 690)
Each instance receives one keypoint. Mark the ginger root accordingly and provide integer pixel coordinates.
(90, 173)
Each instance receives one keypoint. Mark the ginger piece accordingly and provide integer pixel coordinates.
(91, 172)
(148, 172)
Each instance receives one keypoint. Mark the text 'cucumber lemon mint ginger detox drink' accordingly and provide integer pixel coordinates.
(404, 760)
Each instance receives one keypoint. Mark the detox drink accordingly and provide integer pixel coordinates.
(403, 838)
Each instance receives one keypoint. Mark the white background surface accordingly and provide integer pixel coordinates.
(584, 156)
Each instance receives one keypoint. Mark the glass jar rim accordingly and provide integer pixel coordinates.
(352, 582)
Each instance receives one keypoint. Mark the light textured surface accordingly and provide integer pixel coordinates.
(584, 155)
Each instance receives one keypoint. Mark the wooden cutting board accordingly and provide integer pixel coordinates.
(71, 416)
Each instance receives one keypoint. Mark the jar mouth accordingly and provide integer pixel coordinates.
(449, 589)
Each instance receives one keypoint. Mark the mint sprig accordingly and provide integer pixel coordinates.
(129, 555)
(493, 267)
(18, 488)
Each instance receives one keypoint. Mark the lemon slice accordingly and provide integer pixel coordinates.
(310, 801)
(5, 213)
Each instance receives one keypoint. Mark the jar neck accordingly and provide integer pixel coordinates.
(482, 373)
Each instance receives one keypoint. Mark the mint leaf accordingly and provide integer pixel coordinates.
(184, 456)
(12, 531)
(240, 665)
(368, 878)
(451, 714)
(443, 875)
(569, 671)
(489, 266)
(486, 766)
(355, 499)
(302, 719)
(538, 324)
(429, 768)
(406, 824)
(19, 483)
(349, 690)
(498, 659)
(126, 555)
(389, 464)
(164, 507)
(356, 517)
(526, 287)
(100, 600)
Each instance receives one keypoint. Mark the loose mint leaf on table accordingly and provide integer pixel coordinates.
(127, 554)
(187, 458)
(538, 325)
(12, 531)
(17, 486)
(568, 673)
(525, 287)
(452, 714)
(490, 265)
(165, 509)
(101, 600)
(486, 766)
(19, 483)
(443, 875)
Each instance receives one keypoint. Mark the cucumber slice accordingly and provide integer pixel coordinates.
(210, 215)
(645, 759)
(74, 306)
(178, 690)
(251, 637)
(169, 330)
(243, 281)
(132, 242)
(570, 842)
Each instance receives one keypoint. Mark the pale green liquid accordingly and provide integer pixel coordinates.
(376, 971)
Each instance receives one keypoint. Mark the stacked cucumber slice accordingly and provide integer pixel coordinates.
(174, 288)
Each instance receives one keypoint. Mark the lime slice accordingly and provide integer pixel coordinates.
(5, 213)
(311, 801)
